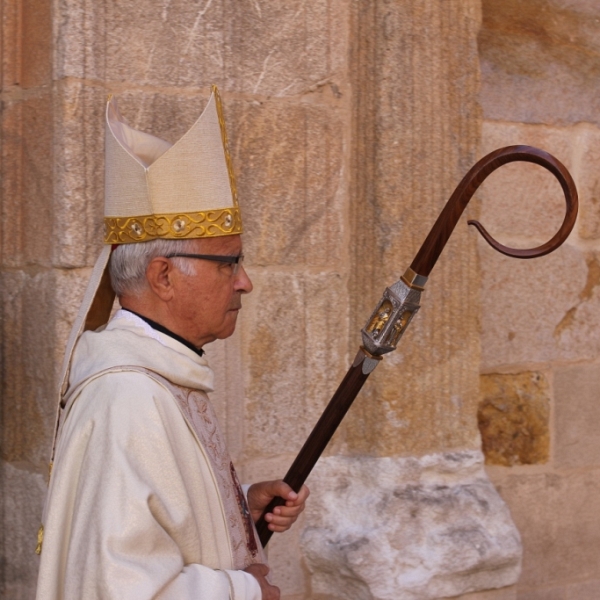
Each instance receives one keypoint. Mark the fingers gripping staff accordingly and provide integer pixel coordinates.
(400, 302)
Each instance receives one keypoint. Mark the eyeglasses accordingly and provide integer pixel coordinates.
(234, 261)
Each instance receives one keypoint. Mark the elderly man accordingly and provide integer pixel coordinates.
(144, 501)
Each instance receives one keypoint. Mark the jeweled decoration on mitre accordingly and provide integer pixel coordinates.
(154, 189)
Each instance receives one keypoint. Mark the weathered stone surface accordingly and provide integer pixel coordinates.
(10, 44)
(37, 312)
(177, 43)
(307, 45)
(506, 593)
(588, 183)
(21, 501)
(539, 61)
(540, 310)
(522, 204)
(578, 591)
(27, 169)
(577, 400)
(291, 187)
(293, 334)
(513, 416)
(408, 158)
(36, 51)
(408, 529)
(27, 367)
(558, 517)
(79, 174)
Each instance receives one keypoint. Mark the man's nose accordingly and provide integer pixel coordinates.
(242, 281)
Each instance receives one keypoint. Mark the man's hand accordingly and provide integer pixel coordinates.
(259, 571)
(282, 517)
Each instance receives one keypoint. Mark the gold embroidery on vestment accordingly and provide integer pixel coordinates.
(40, 540)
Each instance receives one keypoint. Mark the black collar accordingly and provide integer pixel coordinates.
(168, 332)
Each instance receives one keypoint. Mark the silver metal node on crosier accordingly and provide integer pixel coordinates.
(390, 319)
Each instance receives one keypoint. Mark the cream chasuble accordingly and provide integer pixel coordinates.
(143, 500)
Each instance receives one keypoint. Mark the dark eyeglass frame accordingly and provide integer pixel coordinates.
(230, 260)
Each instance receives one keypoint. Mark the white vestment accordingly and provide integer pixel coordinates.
(143, 500)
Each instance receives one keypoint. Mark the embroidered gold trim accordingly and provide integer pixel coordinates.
(209, 223)
(40, 540)
(225, 145)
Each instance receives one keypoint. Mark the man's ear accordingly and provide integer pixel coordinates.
(159, 275)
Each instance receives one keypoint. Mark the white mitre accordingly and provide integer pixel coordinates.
(156, 190)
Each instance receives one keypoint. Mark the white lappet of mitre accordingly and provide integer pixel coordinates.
(157, 190)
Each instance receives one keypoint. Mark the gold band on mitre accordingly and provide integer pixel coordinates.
(178, 226)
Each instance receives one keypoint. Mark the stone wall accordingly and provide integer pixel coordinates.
(350, 125)
(540, 319)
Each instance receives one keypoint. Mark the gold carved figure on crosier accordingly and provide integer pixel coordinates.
(399, 327)
(380, 318)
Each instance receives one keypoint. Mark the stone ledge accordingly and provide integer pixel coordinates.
(408, 529)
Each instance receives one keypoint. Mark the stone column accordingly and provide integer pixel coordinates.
(403, 509)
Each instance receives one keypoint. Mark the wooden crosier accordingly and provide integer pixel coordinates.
(400, 301)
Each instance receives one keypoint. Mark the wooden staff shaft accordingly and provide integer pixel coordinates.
(318, 439)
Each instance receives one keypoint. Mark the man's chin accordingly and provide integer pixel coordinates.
(230, 326)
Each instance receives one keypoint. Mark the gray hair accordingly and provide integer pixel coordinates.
(128, 263)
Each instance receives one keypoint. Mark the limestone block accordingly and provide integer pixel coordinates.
(36, 51)
(266, 47)
(588, 183)
(78, 174)
(513, 418)
(558, 516)
(522, 204)
(10, 45)
(21, 518)
(28, 370)
(578, 591)
(539, 61)
(539, 310)
(292, 332)
(37, 312)
(408, 529)
(409, 157)
(276, 48)
(289, 163)
(27, 168)
(577, 394)
(11, 167)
